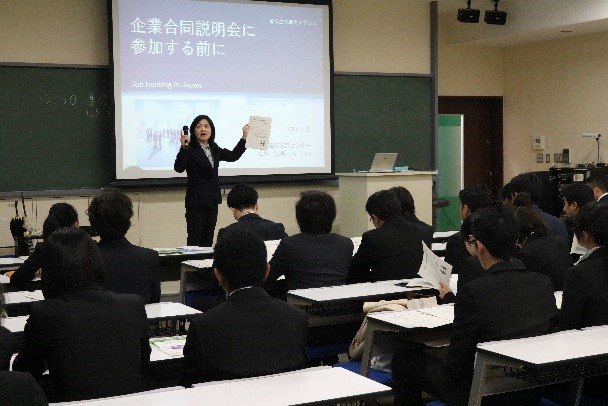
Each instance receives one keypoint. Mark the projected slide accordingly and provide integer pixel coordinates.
(176, 59)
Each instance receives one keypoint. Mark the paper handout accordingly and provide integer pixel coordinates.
(432, 270)
(259, 132)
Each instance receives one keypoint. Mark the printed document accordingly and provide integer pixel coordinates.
(259, 132)
(432, 270)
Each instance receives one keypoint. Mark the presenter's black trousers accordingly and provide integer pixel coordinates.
(200, 225)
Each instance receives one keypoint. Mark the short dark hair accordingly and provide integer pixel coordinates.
(110, 213)
(475, 196)
(598, 180)
(60, 215)
(529, 223)
(383, 204)
(465, 229)
(507, 192)
(495, 225)
(242, 197)
(528, 182)
(579, 193)
(195, 122)
(315, 212)
(72, 261)
(593, 218)
(405, 199)
(240, 256)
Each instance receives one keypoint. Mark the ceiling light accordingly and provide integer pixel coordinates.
(468, 15)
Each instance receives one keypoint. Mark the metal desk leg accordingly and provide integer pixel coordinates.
(482, 366)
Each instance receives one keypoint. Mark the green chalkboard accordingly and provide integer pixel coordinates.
(55, 128)
(375, 113)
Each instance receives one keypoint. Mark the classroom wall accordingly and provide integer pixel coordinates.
(558, 89)
(386, 36)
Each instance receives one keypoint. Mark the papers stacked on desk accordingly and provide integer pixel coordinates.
(429, 317)
(199, 263)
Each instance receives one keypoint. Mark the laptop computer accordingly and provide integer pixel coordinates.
(383, 162)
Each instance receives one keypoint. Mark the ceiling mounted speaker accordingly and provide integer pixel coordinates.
(495, 17)
(468, 15)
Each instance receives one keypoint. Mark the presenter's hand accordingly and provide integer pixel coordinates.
(246, 129)
(184, 139)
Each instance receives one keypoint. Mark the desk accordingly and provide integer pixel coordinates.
(416, 322)
(344, 303)
(169, 311)
(304, 387)
(537, 361)
(170, 260)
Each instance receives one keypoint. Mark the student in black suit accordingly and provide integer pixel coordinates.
(547, 254)
(575, 197)
(585, 294)
(471, 198)
(599, 184)
(470, 268)
(393, 250)
(251, 333)
(128, 268)
(94, 342)
(585, 297)
(408, 211)
(531, 184)
(7, 340)
(316, 257)
(20, 389)
(200, 157)
(60, 215)
(243, 202)
(507, 302)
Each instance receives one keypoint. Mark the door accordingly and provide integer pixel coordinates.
(482, 138)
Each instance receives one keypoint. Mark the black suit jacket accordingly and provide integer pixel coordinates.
(268, 230)
(203, 184)
(27, 271)
(548, 255)
(471, 269)
(20, 389)
(585, 295)
(94, 343)
(250, 334)
(7, 346)
(455, 252)
(392, 251)
(312, 260)
(130, 269)
(508, 302)
(426, 230)
(555, 226)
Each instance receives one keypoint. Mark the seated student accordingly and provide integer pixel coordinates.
(128, 268)
(471, 198)
(251, 333)
(316, 257)
(507, 194)
(94, 342)
(243, 202)
(471, 267)
(531, 184)
(575, 197)
(585, 297)
(408, 211)
(7, 340)
(60, 215)
(20, 389)
(599, 185)
(393, 250)
(547, 254)
(585, 294)
(508, 302)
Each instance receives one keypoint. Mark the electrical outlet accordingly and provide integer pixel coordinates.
(548, 158)
(539, 158)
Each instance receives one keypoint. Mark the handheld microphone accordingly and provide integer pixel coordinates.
(185, 130)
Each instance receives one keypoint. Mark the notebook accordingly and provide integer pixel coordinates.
(383, 162)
